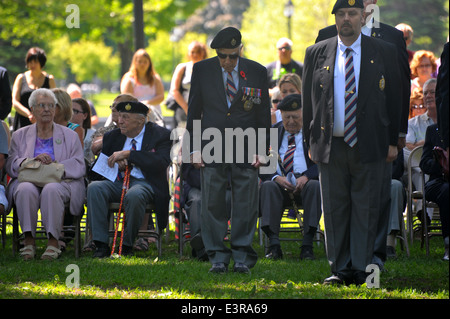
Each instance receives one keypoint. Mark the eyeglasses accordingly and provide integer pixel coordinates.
(230, 56)
(417, 106)
(276, 101)
(287, 48)
(77, 111)
(44, 105)
(429, 92)
(423, 66)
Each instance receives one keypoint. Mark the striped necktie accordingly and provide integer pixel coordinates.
(120, 175)
(351, 98)
(231, 89)
(288, 161)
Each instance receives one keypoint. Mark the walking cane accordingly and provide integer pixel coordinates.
(126, 183)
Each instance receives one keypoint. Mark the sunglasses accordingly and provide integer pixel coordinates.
(287, 48)
(230, 56)
(276, 101)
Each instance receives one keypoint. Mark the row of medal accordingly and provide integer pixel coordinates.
(251, 96)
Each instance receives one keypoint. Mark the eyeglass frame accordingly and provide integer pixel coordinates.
(50, 106)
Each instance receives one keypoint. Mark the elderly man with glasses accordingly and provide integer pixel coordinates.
(228, 94)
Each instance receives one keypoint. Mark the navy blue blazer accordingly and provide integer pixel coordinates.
(5, 94)
(208, 103)
(428, 164)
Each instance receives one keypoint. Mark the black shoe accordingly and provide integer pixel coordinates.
(307, 253)
(218, 268)
(359, 278)
(241, 268)
(102, 250)
(127, 251)
(198, 248)
(275, 252)
(336, 279)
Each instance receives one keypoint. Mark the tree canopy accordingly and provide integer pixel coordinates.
(90, 39)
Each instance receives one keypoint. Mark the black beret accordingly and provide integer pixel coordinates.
(291, 102)
(132, 107)
(347, 4)
(228, 38)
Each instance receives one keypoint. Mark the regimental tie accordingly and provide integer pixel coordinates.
(133, 144)
(288, 161)
(231, 89)
(120, 175)
(351, 98)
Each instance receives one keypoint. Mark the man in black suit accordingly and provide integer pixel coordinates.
(436, 188)
(277, 191)
(5, 94)
(145, 148)
(351, 126)
(229, 94)
(442, 102)
(374, 28)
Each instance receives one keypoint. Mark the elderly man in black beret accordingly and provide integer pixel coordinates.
(145, 148)
(229, 94)
(294, 183)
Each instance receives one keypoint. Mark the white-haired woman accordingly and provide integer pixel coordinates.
(47, 142)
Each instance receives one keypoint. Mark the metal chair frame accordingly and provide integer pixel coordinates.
(113, 208)
(41, 233)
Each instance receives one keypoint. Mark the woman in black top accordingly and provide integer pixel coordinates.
(26, 83)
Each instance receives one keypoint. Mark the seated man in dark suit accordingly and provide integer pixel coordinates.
(436, 189)
(145, 147)
(277, 191)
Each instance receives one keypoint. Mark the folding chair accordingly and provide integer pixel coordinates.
(435, 227)
(41, 233)
(3, 224)
(412, 194)
(113, 208)
(289, 226)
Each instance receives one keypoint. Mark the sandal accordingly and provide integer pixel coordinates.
(28, 252)
(51, 253)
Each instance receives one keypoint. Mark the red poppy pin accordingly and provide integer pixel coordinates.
(243, 75)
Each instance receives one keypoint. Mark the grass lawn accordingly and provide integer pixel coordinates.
(144, 276)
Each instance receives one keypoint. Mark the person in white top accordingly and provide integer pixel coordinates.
(145, 84)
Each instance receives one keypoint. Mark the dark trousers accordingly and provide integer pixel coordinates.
(351, 193)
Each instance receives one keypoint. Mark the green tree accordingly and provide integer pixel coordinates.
(264, 23)
(107, 21)
(428, 18)
(86, 59)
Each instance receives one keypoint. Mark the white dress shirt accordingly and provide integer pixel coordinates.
(135, 171)
(299, 155)
(339, 82)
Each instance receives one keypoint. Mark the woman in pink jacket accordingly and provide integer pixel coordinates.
(46, 142)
